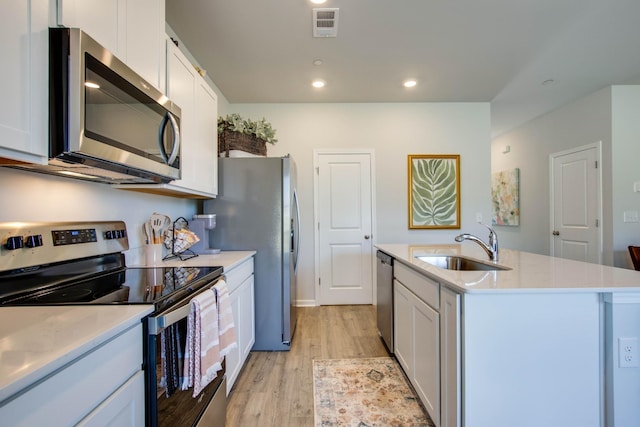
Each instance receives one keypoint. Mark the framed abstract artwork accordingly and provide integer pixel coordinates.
(434, 191)
(505, 197)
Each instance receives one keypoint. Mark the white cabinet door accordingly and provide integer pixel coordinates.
(132, 30)
(403, 327)
(417, 345)
(24, 30)
(124, 408)
(426, 356)
(145, 41)
(450, 358)
(206, 159)
(199, 105)
(181, 89)
(101, 19)
(246, 318)
(241, 288)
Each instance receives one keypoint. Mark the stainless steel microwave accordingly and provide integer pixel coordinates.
(106, 123)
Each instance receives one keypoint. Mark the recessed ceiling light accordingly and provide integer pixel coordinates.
(92, 85)
(318, 84)
(548, 82)
(317, 61)
(318, 1)
(410, 83)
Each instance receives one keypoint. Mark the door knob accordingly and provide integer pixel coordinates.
(366, 237)
(556, 233)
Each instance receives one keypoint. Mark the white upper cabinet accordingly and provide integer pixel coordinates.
(24, 30)
(199, 104)
(133, 30)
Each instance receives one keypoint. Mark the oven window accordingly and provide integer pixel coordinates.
(176, 407)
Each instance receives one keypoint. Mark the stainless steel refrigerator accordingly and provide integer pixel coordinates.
(257, 209)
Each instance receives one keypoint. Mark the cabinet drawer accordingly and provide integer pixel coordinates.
(426, 289)
(237, 275)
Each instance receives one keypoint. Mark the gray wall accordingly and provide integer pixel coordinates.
(393, 131)
(608, 115)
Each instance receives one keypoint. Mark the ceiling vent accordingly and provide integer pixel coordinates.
(325, 22)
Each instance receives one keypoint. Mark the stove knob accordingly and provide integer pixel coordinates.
(14, 242)
(33, 241)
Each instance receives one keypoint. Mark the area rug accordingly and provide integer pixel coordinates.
(365, 393)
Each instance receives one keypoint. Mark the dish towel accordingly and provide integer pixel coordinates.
(226, 327)
(202, 353)
(172, 355)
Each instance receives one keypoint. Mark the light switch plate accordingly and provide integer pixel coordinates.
(630, 216)
(636, 187)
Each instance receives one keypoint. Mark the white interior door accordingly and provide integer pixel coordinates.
(344, 223)
(576, 205)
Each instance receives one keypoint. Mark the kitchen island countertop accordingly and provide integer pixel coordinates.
(528, 272)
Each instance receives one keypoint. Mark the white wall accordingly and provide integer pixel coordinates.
(29, 196)
(583, 122)
(625, 169)
(393, 131)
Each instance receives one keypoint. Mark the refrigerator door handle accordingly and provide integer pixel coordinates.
(295, 230)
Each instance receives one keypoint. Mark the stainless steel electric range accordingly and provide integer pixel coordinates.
(84, 263)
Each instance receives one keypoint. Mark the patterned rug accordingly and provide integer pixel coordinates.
(364, 393)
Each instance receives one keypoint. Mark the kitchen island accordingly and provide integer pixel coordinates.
(535, 344)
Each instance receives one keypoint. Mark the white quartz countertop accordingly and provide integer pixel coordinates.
(225, 259)
(528, 272)
(37, 341)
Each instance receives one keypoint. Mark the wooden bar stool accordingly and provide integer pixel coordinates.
(634, 251)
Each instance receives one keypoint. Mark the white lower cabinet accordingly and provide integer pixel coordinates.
(241, 292)
(103, 387)
(417, 346)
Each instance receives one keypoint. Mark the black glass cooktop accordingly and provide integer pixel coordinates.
(57, 285)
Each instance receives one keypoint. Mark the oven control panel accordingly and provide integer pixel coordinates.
(72, 237)
(24, 244)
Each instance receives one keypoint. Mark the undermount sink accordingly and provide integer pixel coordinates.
(453, 262)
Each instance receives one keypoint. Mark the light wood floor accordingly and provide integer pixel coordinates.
(276, 388)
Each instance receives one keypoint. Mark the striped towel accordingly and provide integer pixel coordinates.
(202, 354)
(226, 327)
(171, 354)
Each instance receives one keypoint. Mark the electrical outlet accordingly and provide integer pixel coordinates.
(628, 352)
(479, 217)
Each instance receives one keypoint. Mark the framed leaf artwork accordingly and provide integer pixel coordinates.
(434, 191)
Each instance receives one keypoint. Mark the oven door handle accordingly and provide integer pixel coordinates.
(167, 318)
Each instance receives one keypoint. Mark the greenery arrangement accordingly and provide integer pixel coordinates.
(261, 129)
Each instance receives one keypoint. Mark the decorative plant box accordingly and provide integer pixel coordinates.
(231, 140)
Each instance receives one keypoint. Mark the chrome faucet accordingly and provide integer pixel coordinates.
(491, 249)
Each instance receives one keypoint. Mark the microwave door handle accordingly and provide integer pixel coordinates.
(169, 119)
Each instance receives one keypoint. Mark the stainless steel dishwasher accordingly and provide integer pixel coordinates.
(385, 298)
